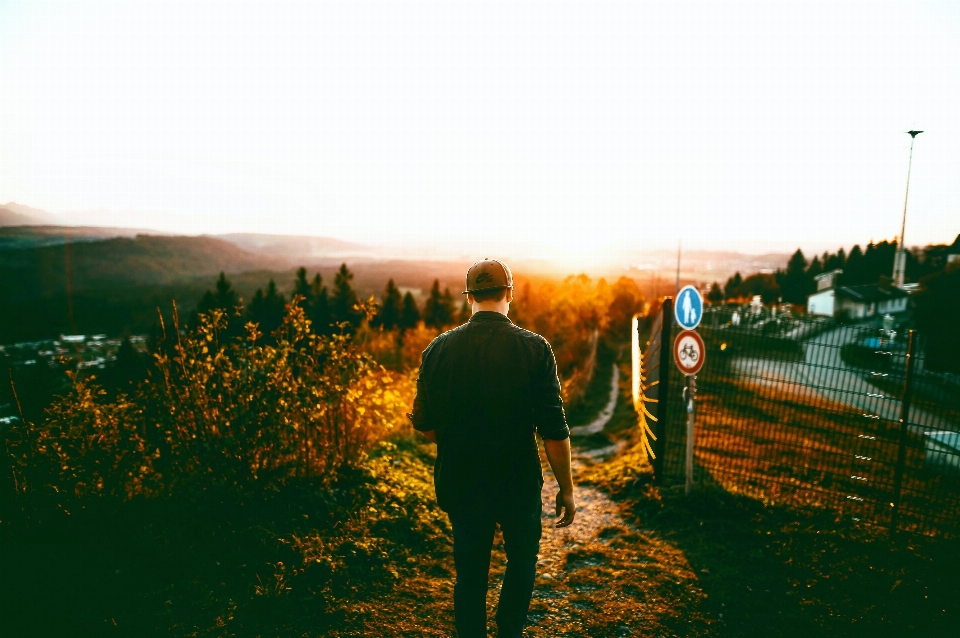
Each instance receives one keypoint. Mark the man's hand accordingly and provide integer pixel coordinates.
(568, 505)
(558, 453)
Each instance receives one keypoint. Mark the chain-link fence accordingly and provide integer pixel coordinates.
(808, 411)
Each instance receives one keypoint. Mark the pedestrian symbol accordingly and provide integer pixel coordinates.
(688, 309)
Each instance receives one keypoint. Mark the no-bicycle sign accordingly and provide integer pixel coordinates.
(689, 352)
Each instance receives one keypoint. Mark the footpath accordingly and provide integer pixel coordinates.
(603, 576)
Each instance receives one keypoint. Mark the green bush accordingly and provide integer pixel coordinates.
(235, 413)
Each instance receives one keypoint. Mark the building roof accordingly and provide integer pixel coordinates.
(868, 293)
(954, 247)
(829, 273)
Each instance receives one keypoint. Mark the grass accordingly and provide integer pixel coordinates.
(775, 570)
(301, 561)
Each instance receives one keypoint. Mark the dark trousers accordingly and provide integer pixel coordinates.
(473, 530)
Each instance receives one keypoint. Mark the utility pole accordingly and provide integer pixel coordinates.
(679, 246)
(900, 261)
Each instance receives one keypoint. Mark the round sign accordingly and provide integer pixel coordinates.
(688, 308)
(689, 352)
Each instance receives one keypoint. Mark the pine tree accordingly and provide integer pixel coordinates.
(410, 314)
(226, 299)
(389, 314)
(730, 288)
(301, 286)
(449, 307)
(465, 313)
(344, 299)
(315, 303)
(716, 293)
(438, 309)
(267, 310)
(319, 309)
(793, 283)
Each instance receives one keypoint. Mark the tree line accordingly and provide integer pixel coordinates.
(333, 309)
(797, 281)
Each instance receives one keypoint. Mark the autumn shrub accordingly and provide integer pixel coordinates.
(216, 412)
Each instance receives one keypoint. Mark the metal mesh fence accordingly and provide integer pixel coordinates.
(808, 412)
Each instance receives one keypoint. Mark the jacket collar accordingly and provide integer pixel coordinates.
(489, 315)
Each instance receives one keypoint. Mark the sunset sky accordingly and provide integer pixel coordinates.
(574, 128)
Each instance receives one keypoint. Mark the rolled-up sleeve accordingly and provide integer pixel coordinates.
(421, 416)
(548, 414)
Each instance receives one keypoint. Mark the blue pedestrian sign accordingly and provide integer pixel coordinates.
(688, 309)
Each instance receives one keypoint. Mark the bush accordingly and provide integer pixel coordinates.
(234, 413)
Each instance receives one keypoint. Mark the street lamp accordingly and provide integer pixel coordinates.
(900, 261)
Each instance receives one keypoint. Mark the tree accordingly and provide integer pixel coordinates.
(716, 293)
(389, 314)
(815, 268)
(344, 299)
(409, 314)
(129, 368)
(438, 309)
(465, 313)
(318, 310)
(760, 284)
(225, 299)
(937, 308)
(627, 301)
(852, 264)
(731, 289)
(267, 310)
(793, 282)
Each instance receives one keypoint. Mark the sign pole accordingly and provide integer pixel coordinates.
(689, 392)
(689, 352)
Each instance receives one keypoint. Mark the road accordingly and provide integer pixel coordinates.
(824, 374)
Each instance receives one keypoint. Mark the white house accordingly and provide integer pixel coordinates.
(859, 302)
(822, 302)
(855, 302)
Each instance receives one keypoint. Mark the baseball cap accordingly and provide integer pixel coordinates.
(488, 274)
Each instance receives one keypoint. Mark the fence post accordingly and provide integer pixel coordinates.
(689, 394)
(663, 393)
(904, 424)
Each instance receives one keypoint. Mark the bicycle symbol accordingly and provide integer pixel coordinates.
(689, 352)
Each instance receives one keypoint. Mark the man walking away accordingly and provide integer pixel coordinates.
(485, 389)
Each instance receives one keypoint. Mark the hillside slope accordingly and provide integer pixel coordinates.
(45, 271)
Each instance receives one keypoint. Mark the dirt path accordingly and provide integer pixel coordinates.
(603, 418)
(604, 576)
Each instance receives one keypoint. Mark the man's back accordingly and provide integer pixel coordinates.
(486, 388)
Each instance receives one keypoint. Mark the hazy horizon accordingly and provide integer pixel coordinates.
(572, 132)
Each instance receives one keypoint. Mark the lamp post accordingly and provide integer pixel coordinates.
(900, 261)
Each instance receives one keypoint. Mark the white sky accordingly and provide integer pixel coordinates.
(584, 127)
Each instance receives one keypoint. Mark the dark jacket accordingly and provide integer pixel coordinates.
(486, 387)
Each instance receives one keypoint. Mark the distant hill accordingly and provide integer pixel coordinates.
(46, 270)
(295, 250)
(14, 214)
(17, 237)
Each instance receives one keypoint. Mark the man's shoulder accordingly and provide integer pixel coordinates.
(444, 336)
(461, 331)
(532, 336)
